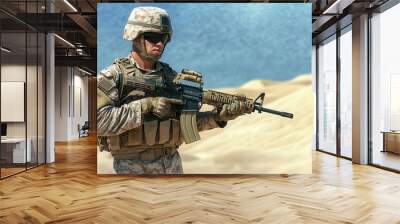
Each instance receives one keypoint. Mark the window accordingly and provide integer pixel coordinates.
(346, 95)
(327, 95)
(23, 77)
(385, 89)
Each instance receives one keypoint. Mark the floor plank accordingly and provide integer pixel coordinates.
(70, 191)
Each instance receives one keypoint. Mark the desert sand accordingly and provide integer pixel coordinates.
(254, 143)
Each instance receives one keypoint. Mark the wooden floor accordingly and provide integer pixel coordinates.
(10, 171)
(387, 159)
(70, 191)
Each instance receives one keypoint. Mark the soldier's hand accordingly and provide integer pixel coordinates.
(160, 106)
(163, 107)
(231, 111)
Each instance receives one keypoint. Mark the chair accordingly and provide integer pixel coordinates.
(84, 130)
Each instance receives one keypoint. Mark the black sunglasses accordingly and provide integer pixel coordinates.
(156, 37)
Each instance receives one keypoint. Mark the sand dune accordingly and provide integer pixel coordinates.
(260, 143)
(254, 143)
(273, 89)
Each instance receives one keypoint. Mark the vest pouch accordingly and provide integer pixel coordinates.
(114, 143)
(174, 132)
(150, 129)
(132, 137)
(164, 131)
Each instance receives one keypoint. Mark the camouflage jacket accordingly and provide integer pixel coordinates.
(115, 118)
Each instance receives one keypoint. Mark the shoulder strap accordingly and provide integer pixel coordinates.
(169, 73)
(126, 66)
(127, 70)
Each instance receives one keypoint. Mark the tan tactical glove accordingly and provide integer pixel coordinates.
(230, 111)
(160, 106)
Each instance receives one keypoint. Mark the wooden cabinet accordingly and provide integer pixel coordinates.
(391, 142)
(13, 151)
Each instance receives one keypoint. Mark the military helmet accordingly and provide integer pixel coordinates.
(147, 19)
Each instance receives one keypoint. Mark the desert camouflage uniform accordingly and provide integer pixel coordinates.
(119, 113)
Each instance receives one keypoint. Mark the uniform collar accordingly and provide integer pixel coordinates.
(146, 71)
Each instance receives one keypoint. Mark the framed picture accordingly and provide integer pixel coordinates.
(204, 88)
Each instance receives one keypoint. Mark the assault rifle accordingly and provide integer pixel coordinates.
(188, 87)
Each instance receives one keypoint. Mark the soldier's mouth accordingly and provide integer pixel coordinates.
(156, 51)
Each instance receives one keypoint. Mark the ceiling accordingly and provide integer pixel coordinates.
(331, 15)
(75, 23)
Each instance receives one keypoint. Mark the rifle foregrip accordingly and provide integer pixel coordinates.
(218, 99)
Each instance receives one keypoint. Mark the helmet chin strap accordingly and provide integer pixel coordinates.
(141, 50)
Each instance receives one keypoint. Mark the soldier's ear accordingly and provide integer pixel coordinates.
(133, 45)
(136, 42)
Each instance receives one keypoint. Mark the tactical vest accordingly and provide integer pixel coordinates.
(153, 133)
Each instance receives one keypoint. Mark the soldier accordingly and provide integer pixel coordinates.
(142, 131)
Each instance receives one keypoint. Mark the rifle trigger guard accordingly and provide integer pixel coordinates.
(258, 101)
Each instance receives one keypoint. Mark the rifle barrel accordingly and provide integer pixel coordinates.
(280, 113)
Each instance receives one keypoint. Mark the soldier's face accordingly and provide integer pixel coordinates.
(155, 43)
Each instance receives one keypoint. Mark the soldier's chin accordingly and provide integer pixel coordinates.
(156, 54)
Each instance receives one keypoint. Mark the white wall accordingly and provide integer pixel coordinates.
(70, 83)
(61, 103)
(33, 126)
(80, 84)
(16, 73)
(11, 73)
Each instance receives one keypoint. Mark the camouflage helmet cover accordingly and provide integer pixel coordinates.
(147, 19)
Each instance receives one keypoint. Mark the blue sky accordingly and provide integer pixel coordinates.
(229, 43)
